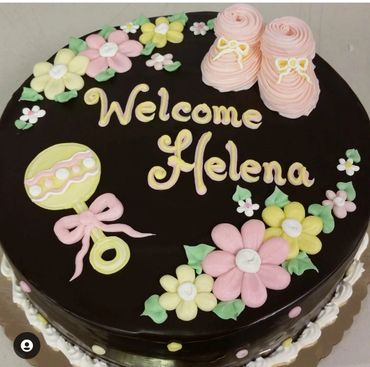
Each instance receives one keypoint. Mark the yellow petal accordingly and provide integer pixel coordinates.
(312, 225)
(309, 244)
(160, 40)
(176, 26)
(53, 87)
(204, 283)
(187, 310)
(293, 246)
(147, 27)
(206, 301)
(272, 232)
(169, 283)
(73, 81)
(146, 37)
(39, 83)
(161, 20)
(175, 37)
(78, 65)
(294, 210)
(273, 216)
(169, 301)
(185, 273)
(64, 56)
(41, 68)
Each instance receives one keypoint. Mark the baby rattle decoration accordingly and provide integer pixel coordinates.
(65, 176)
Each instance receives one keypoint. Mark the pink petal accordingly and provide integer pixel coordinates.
(227, 237)
(91, 53)
(274, 277)
(118, 37)
(97, 66)
(328, 203)
(340, 211)
(274, 251)
(252, 233)
(227, 286)
(95, 41)
(330, 194)
(350, 206)
(342, 194)
(131, 48)
(254, 293)
(120, 63)
(218, 262)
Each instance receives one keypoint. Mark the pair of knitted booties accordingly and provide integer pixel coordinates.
(278, 56)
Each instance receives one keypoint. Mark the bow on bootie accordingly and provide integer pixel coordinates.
(224, 46)
(286, 65)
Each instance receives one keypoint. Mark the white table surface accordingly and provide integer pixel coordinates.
(32, 32)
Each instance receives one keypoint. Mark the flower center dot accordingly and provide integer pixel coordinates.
(187, 291)
(109, 49)
(348, 164)
(161, 28)
(338, 201)
(58, 71)
(248, 261)
(292, 227)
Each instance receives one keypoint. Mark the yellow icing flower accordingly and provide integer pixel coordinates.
(291, 224)
(65, 73)
(187, 293)
(161, 32)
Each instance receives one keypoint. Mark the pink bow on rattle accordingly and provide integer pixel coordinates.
(73, 228)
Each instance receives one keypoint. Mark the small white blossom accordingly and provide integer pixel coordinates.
(348, 166)
(130, 27)
(199, 28)
(247, 207)
(158, 61)
(31, 116)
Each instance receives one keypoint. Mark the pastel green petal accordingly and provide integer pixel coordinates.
(187, 310)
(272, 232)
(146, 37)
(294, 210)
(176, 26)
(169, 301)
(204, 283)
(206, 301)
(312, 225)
(42, 68)
(169, 283)
(175, 37)
(273, 216)
(73, 81)
(309, 244)
(161, 20)
(160, 40)
(147, 27)
(53, 87)
(39, 83)
(293, 246)
(64, 56)
(185, 273)
(78, 65)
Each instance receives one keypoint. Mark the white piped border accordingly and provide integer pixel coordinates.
(282, 355)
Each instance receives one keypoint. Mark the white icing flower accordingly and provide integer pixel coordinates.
(348, 166)
(158, 61)
(31, 116)
(247, 207)
(199, 28)
(130, 27)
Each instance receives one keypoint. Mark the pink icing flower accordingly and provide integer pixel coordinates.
(199, 28)
(158, 61)
(113, 53)
(338, 202)
(246, 264)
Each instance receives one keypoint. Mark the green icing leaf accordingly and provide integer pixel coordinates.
(277, 198)
(154, 310)
(28, 94)
(148, 49)
(172, 67)
(211, 23)
(77, 45)
(105, 75)
(181, 17)
(241, 194)
(299, 264)
(196, 254)
(324, 213)
(140, 20)
(348, 188)
(106, 31)
(354, 155)
(65, 96)
(22, 125)
(229, 309)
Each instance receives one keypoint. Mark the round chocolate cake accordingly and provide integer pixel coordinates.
(154, 220)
